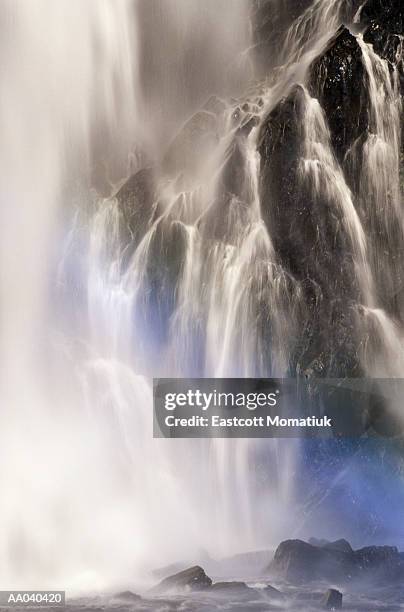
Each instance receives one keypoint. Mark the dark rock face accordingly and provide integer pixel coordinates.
(386, 45)
(332, 600)
(285, 209)
(383, 21)
(305, 224)
(385, 560)
(136, 198)
(298, 561)
(339, 545)
(338, 80)
(310, 242)
(195, 579)
(271, 19)
(389, 13)
(385, 25)
(191, 579)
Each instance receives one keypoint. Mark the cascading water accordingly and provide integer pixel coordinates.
(99, 296)
(381, 199)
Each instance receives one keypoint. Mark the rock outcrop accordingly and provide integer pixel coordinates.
(332, 600)
(135, 199)
(195, 579)
(310, 241)
(271, 21)
(339, 545)
(284, 208)
(299, 562)
(338, 80)
(191, 579)
(389, 14)
(304, 221)
(384, 21)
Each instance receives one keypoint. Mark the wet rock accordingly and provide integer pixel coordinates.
(136, 198)
(385, 28)
(339, 545)
(305, 223)
(386, 45)
(332, 600)
(383, 19)
(191, 579)
(300, 562)
(310, 241)
(383, 561)
(284, 208)
(297, 562)
(338, 79)
(388, 13)
(271, 21)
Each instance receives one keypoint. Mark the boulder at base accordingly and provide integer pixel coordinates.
(332, 600)
(297, 562)
(191, 579)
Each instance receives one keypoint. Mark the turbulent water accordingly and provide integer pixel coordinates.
(97, 299)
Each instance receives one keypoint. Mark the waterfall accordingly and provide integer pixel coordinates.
(381, 199)
(138, 240)
(64, 69)
(321, 169)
